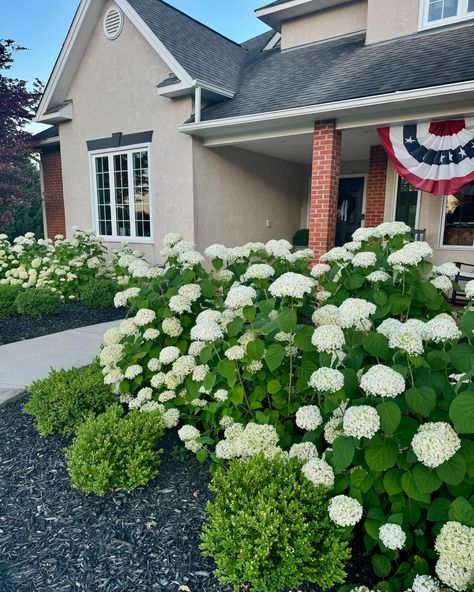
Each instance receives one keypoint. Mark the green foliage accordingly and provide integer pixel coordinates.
(301, 238)
(114, 451)
(29, 217)
(268, 527)
(99, 293)
(62, 401)
(38, 302)
(8, 296)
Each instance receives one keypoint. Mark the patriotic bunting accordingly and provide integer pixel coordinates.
(436, 157)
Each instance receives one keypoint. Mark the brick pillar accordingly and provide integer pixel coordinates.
(53, 191)
(326, 166)
(376, 186)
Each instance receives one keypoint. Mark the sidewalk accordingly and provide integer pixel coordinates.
(25, 361)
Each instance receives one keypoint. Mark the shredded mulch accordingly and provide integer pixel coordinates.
(74, 315)
(56, 539)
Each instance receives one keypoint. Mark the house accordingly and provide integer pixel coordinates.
(161, 124)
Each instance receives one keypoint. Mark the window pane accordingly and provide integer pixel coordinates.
(459, 221)
(407, 200)
(441, 9)
(470, 6)
(122, 206)
(103, 195)
(142, 194)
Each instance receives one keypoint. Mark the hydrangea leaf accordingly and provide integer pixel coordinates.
(453, 470)
(467, 324)
(381, 453)
(426, 479)
(390, 416)
(439, 509)
(274, 356)
(410, 488)
(376, 345)
(462, 357)
(421, 400)
(382, 565)
(461, 413)
(343, 450)
(392, 482)
(287, 320)
(462, 511)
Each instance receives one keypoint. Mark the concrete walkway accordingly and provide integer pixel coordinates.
(25, 361)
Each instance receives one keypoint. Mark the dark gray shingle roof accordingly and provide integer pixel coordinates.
(47, 134)
(202, 52)
(276, 3)
(257, 44)
(347, 69)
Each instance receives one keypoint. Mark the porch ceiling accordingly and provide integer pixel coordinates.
(356, 145)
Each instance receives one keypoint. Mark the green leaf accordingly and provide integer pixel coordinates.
(274, 356)
(205, 355)
(287, 320)
(381, 453)
(438, 360)
(390, 416)
(228, 370)
(266, 306)
(421, 400)
(453, 470)
(255, 349)
(462, 511)
(249, 313)
(376, 345)
(355, 281)
(380, 298)
(202, 455)
(462, 357)
(399, 303)
(303, 338)
(426, 479)
(467, 323)
(439, 510)
(235, 327)
(207, 289)
(381, 565)
(236, 395)
(343, 449)
(461, 413)
(273, 386)
(410, 488)
(392, 482)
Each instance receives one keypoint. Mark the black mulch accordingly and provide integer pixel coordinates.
(74, 315)
(53, 538)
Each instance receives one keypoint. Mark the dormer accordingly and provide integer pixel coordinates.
(307, 21)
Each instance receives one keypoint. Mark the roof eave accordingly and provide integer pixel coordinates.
(273, 16)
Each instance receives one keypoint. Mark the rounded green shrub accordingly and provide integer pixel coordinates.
(38, 302)
(99, 293)
(114, 451)
(62, 401)
(8, 295)
(268, 526)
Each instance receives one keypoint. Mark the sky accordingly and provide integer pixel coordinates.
(42, 25)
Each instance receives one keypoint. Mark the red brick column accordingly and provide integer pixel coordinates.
(376, 186)
(326, 167)
(53, 192)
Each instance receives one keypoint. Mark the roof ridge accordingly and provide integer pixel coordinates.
(200, 23)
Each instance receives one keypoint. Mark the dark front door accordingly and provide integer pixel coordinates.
(349, 208)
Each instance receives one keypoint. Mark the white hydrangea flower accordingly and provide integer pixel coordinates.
(224, 275)
(255, 366)
(280, 249)
(353, 246)
(196, 347)
(326, 315)
(144, 394)
(308, 418)
(423, 583)
(345, 511)
(320, 269)
(206, 331)
(171, 239)
(328, 338)
(442, 328)
(378, 276)
(216, 252)
(246, 442)
(361, 422)
(113, 377)
(172, 327)
(169, 354)
(292, 285)
(158, 380)
(147, 407)
(179, 304)
(154, 365)
(434, 443)
(240, 296)
(392, 229)
(382, 381)
(190, 259)
(322, 295)
(183, 366)
(455, 546)
(128, 327)
(389, 327)
(171, 418)
(199, 402)
(304, 451)
(151, 334)
(392, 536)
(365, 234)
(333, 429)
(221, 395)
(226, 421)
(364, 259)
(319, 472)
(236, 352)
(449, 270)
(188, 432)
(406, 340)
(258, 271)
(337, 254)
(200, 372)
(133, 371)
(353, 311)
(469, 289)
(327, 380)
(190, 292)
(442, 282)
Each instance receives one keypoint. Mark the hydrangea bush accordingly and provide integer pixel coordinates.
(358, 367)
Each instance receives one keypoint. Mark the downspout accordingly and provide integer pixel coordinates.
(197, 104)
(43, 196)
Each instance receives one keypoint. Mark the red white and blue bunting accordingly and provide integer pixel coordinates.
(436, 157)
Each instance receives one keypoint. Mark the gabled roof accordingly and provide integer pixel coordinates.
(346, 68)
(48, 136)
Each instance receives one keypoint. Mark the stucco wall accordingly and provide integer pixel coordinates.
(237, 191)
(114, 90)
(325, 24)
(387, 19)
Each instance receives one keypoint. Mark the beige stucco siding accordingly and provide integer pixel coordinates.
(387, 19)
(325, 24)
(237, 191)
(114, 90)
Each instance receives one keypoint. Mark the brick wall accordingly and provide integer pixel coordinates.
(53, 191)
(376, 186)
(325, 174)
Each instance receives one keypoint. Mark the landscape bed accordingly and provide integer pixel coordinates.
(74, 315)
(54, 538)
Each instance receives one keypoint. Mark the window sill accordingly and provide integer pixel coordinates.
(456, 248)
(127, 240)
(444, 22)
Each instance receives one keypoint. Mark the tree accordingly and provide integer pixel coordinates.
(17, 108)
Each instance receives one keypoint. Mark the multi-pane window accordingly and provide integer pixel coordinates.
(458, 220)
(407, 203)
(122, 193)
(438, 12)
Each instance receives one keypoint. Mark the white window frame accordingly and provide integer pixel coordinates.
(442, 225)
(462, 15)
(110, 153)
(395, 202)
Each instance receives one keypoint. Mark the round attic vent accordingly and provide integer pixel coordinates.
(113, 23)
